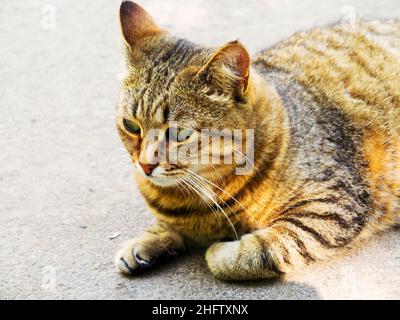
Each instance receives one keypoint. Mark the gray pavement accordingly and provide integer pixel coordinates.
(66, 183)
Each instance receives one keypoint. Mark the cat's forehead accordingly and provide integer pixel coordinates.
(154, 89)
(152, 96)
(154, 107)
(147, 102)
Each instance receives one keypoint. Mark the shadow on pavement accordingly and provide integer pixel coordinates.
(187, 277)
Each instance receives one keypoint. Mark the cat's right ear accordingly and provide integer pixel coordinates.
(228, 69)
(136, 23)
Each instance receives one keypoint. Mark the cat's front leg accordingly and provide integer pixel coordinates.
(307, 231)
(249, 258)
(148, 250)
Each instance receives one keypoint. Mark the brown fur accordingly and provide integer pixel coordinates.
(325, 106)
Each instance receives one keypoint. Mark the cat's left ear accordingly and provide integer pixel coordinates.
(229, 68)
(136, 23)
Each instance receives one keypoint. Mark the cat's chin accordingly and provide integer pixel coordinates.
(163, 181)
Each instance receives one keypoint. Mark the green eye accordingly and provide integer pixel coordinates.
(131, 126)
(179, 135)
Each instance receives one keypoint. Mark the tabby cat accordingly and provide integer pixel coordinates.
(325, 109)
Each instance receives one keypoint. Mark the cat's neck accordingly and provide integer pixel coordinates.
(269, 119)
(270, 122)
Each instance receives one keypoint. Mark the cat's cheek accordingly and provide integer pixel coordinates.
(133, 152)
(133, 148)
(134, 157)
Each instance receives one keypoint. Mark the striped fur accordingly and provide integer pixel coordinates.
(325, 106)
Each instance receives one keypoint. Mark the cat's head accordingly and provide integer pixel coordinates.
(177, 93)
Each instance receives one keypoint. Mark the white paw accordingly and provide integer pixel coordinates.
(221, 258)
(129, 261)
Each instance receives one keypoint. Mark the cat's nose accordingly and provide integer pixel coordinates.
(148, 168)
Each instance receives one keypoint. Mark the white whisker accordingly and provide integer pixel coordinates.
(247, 158)
(194, 188)
(222, 190)
(212, 199)
(189, 191)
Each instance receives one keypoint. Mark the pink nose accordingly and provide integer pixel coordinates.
(148, 168)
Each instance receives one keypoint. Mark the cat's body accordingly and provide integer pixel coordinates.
(325, 106)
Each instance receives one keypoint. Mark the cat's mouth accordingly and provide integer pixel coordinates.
(173, 174)
(166, 179)
(162, 177)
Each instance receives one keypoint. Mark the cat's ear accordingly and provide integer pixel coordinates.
(229, 68)
(136, 23)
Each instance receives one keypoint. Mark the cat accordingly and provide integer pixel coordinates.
(325, 109)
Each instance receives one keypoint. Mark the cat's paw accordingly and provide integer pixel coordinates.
(135, 257)
(244, 259)
(147, 251)
(220, 259)
(131, 260)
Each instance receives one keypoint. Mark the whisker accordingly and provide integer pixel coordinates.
(206, 186)
(222, 190)
(192, 187)
(189, 191)
(215, 203)
(203, 183)
(219, 176)
(247, 158)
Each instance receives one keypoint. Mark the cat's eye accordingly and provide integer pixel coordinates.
(179, 135)
(131, 126)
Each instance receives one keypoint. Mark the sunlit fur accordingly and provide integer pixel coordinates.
(325, 106)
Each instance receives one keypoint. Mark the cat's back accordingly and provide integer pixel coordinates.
(353, 71)
(355, 67)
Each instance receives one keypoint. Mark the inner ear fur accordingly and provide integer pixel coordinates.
(136, 23)
(229, 67)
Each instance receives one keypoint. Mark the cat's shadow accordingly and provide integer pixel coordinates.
(189, 273)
